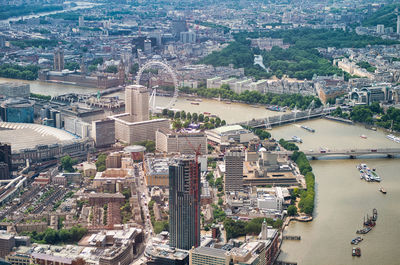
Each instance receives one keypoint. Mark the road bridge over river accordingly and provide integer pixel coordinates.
(349, 153)
(285, 118)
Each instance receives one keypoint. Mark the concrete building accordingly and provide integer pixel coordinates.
(7, 242)
(59, 59)
(89, 169)
(188, 37)
(169, 141)
(368, 95)
(103, 132)
(184, 203)
(225, 133)
(17, 110)
(5, 161)
(269, 202)
(137, 102)
(380, 29)
(12, 90)
(268, 43)
(77, 126)
(157, 172)
(209, 256)
(398, 23)
(162, 254)
(233, 171)
(113, 160)
(269, 169)
(147, 46)
(18, 259)
(129, 131)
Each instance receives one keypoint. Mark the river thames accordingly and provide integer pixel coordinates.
(342, 198)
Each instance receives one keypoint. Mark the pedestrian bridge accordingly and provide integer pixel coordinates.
(285, 118)
(349, 153)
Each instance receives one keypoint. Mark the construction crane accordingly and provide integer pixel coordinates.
(194, 187)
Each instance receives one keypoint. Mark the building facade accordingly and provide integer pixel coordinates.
(169, 141)
(5, 161)
(103, 132)
(17, 110)
(233, 171)
(129, 131)
(59, 59)
(209, 256)
(12, 90)
(137, 102)
(184, 203)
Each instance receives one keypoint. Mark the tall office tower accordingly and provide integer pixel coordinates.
(380, 29)
(5, 161)
(233, 170)
(147, 46)
(398, 22)
(137, 102)
(188, 37)
(59, 59)
(184, 203)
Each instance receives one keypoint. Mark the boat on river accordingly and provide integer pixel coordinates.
(364, 230)
(381, 189)
(356, 240)
(356, 252)
(195, 103)
(367, 174)
(307, 128)
(297, 139)
(393, 138)
(374, 214)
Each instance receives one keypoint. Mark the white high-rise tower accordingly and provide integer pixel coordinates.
(398, 21)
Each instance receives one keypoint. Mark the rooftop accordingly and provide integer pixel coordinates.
(30, 135)
(228, 128)
(214, 252)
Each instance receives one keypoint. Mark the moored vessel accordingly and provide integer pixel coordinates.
(307, 128)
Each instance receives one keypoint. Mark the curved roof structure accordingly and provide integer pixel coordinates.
(134, 149)
(29, 135)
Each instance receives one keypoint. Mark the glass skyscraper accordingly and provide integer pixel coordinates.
(184, 203)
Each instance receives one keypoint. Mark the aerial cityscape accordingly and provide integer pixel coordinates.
(231, 132)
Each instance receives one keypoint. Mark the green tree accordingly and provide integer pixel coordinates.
(194, 117)
(201, 117)
(112, 69)
(292, 210)
(183, 115)
(177, 125)
(101, 162)
(72, 66)
(67, 162)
